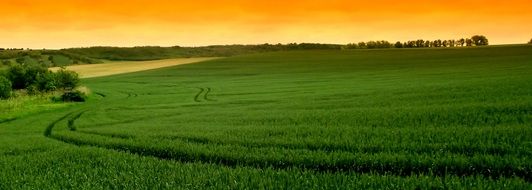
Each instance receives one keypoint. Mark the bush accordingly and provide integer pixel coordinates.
(16, 75)
(67, 79)
(74, 96)
(22, 76)
(46, 82)
(32, 71)
(5, 87)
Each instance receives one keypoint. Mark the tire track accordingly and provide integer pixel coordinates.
(71, 121)
(207, 93)
(398, 168)
(48, 130)
(350, 165)
(197, 97)
(203, 95)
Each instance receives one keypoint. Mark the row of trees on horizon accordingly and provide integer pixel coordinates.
(476, 40)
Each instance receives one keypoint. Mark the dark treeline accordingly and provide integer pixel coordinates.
(477, 40)
(156, 52)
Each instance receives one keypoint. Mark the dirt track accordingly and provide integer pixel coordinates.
(112, 68)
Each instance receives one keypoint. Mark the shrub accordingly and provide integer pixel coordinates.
(16, 75)
(67, 79)
(6, 62)
(22, 76)
(74, 96)
(46, 82)
(32, 71)
(5, 87)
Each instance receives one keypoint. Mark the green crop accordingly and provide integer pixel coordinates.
(317, 119)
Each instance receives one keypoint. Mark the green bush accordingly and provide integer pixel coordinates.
(16, 75)
(67, 79)
(73, 96)
(5, 87)
(22, 76)
(46, 82)
(32, 71)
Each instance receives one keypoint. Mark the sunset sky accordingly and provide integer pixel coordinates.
(82, 23)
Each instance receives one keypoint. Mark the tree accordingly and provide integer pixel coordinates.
(51, 58)
(437, 43)
(420, 43)
(445, 43)
(460, 42)
(411, 44)
(469, 42)
(22, 76)
(371, 44)
(362, 45)
(15, 74)
(46, 82)
(67, 80)
(530, 42)
(479, 40)
(398, 44)
(452, 43)
(5, 87)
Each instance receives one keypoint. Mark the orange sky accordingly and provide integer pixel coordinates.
(77, 23)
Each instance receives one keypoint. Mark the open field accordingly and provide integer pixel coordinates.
(113, 68)
(356, 119)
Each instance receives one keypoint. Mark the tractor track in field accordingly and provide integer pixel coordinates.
(183, 155)
(196, 98)
(203, 95)
(8, 120)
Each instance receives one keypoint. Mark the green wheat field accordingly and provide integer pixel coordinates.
(448, 118)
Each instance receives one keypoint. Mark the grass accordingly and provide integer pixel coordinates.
(356, 119)
(23, 105)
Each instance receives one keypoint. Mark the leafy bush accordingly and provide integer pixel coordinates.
(22, 76)
(46, 82)
(73, 96)
(67, 79)
(32, 71)
(5, 87)
(16, 75)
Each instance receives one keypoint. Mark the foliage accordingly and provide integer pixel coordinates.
(24, 75)
(398, 44)
(530, 42)
(480, 40)
(66, 79)
(5, 87)
(156, 52)
(16, 74)
(46, 82)
(73, 96)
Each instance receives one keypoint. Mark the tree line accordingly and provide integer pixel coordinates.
(476, 40)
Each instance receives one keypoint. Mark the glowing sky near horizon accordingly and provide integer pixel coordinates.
(82, 23)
